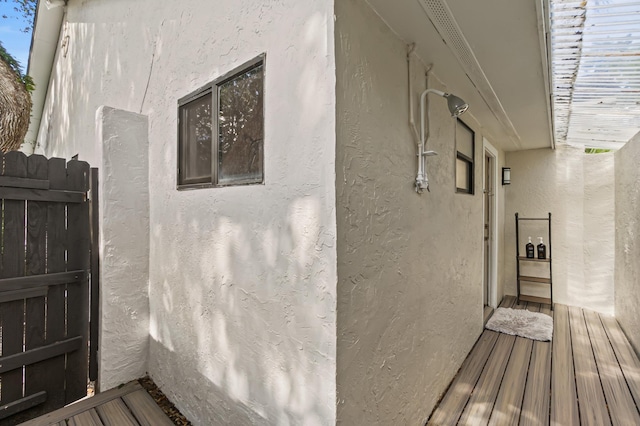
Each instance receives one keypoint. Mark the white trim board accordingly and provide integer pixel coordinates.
(493, 273)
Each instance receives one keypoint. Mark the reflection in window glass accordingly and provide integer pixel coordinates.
(221, 130)
(195, 147)
(241, 128)
(464, 139)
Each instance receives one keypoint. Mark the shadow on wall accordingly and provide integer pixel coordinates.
(242, 279)
(236, 337)
(92, 68)
(210, 399)
(578, 189)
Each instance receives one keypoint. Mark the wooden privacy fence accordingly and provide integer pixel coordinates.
(45, 266)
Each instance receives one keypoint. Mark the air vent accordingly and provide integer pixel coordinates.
(442, 19)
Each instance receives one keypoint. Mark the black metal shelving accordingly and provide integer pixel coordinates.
(548, 260)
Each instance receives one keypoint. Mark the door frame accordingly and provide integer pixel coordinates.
(490, 150)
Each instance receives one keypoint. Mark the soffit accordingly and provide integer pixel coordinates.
(501, 76)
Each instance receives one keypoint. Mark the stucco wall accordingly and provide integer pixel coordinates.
(409, 266)
(124, 244)
(242, 280)
(502, 223)
(578, 190)
(627, 270)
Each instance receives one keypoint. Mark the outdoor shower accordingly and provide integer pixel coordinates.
(457, 107)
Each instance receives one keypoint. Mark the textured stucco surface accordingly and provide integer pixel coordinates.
(502, 226)
(578, 190)
(627, 270)
(242, 280)
(124, 244)
(409, 266)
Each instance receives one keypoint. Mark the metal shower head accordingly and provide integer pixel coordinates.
(456, 105)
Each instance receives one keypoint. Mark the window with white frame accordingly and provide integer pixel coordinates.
(221, 130)
(465, 146)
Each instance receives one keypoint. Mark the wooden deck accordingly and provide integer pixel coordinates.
(129, 405)
(588, 375)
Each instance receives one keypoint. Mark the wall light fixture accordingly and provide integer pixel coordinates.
(506, 175)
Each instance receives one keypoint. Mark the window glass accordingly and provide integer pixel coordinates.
(464, 139)
(462, 175)
(221, 130)
(196, 136)
(241, 128)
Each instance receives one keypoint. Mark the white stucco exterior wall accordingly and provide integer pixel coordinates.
(124, 244)
(242, 280)
(578, 190)
(501, 222)
(627, 270)
(409, 266)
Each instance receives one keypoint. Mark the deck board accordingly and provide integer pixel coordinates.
(128, 405)
(622, 408)
(564, 401)
(588, 383)
(535, 404)
(116, 413)
(625, 354)
(145, 409)
(480, 405)
(508, 302)
(456, 398)
(507, 407)
(588, 374)
(454, 401)
(83, 405)
(86, 418)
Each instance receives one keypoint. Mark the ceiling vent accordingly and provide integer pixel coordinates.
(442, 19)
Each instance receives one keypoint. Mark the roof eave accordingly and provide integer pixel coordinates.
(44, 42)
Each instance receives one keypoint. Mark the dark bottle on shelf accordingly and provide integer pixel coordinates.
(542, 250)
(530, 250)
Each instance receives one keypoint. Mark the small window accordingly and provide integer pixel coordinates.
(221, 130)
(465, 144)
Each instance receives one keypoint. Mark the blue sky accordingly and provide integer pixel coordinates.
(13, 39)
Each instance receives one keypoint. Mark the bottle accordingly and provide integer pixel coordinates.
(530, 250)
(542, 250)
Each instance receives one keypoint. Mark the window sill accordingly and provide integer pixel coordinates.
(192, 186)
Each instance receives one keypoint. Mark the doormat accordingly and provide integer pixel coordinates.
(520, 322)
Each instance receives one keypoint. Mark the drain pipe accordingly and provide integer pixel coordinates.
(422, 181)
(420, 178)
(412, 124)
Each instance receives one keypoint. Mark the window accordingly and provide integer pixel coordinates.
(221, 130)
(465, 143)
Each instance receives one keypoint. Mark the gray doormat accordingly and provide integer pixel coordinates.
(520, 322)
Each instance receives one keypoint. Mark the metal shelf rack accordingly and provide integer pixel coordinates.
(548, 261)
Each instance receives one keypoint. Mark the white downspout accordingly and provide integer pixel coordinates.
(412, 124)
(422, 182)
